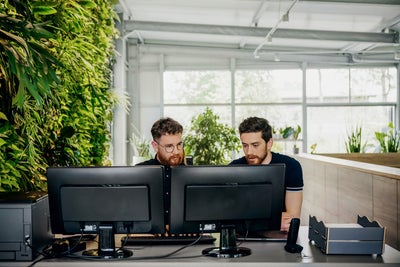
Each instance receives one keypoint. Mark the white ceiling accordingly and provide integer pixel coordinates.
(350, 31)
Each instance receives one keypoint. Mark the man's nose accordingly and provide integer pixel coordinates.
(249, 150)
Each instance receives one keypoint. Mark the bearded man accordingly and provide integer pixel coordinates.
(256, 137)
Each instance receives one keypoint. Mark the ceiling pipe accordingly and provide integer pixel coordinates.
(132, 33)
(268, 37)
(257, 14)
(356, 59)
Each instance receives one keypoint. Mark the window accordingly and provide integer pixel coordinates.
(268, 86)
(339, 100)
(188, 93)
(336, 101)
(197, 87)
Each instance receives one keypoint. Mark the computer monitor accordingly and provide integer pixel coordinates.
(106, 201)
(226, 199)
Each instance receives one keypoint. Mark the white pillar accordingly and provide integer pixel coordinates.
(119, 138)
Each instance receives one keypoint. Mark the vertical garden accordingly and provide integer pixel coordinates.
(55, 87)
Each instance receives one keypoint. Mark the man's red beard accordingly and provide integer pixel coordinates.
(253, 160)
(171, 161)
(175, 160)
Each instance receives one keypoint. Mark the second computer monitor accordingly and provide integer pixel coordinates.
(203, 198)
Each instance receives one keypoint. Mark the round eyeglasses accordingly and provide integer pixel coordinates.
(170, 147)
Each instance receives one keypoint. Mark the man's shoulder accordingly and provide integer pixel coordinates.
(149, 162)
(241, 160)
(281, 158)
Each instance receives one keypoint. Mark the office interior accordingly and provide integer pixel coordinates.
(232, 35)
(162, 36)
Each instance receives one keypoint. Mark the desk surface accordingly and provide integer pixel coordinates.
(263, 254)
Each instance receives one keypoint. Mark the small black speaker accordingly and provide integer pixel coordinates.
(291, 245)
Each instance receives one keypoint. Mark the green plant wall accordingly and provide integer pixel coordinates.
(55, 87)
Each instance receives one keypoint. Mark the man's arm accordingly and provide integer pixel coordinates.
(293, 202)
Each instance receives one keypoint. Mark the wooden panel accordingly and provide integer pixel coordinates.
(331, 196)
(314, 188)
(355, 195)
(385, 212)
(398, 216)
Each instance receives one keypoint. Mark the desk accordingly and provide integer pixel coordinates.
(263, 254)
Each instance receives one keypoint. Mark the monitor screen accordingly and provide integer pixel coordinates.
(226, 199)
(106, 201)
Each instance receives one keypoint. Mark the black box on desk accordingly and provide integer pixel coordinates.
(24, 225)
(365, 237)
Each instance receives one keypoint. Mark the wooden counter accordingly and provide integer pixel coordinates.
(385, 159)
(337, 190)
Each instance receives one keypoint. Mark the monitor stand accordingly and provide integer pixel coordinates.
(227, 245)
(106, 247)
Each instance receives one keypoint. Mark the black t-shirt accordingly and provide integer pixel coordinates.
(293, 171)
(166, 184)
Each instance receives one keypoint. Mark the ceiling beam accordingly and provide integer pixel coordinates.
(375, 2)
(247, 54)
(372, 37)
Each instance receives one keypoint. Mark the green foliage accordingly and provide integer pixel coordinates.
(296, 132)
(353, 143)
(313, 147)
(389, 139)
(290, 131)
(140, 146)
(55, 97)
(210, 142)
(16, 168)
(286, 132)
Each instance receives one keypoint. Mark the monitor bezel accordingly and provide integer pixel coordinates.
(225, 174)
(114, 176)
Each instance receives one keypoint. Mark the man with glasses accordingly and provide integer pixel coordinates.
(168, 145)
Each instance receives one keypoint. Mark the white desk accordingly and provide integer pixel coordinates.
(263, 254)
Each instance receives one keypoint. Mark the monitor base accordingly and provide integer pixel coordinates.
(228, 253)
(227, 245)
(119, 254)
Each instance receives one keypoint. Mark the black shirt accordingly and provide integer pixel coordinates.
(167, 185)
(293, 171)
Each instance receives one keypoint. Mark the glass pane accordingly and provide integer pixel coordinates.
(373, 85)
(328, 127)
(327, 85)
(188, 87)
(279, 116)
(184, 114)
(268, 86)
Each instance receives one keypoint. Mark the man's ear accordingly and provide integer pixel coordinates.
(270, 143)
(154, 145)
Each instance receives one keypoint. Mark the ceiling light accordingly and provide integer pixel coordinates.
(285, 16)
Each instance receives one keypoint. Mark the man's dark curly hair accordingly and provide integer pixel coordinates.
(165, 126)
(255, 124)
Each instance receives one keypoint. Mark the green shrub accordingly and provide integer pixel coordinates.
(209, 141)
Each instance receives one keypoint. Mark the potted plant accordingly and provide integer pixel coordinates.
(286, 132)
(140, 147)
(294, 132)
(353, 143)
(209, 141)
(389, 139)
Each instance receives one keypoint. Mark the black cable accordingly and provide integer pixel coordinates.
(70, 255)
